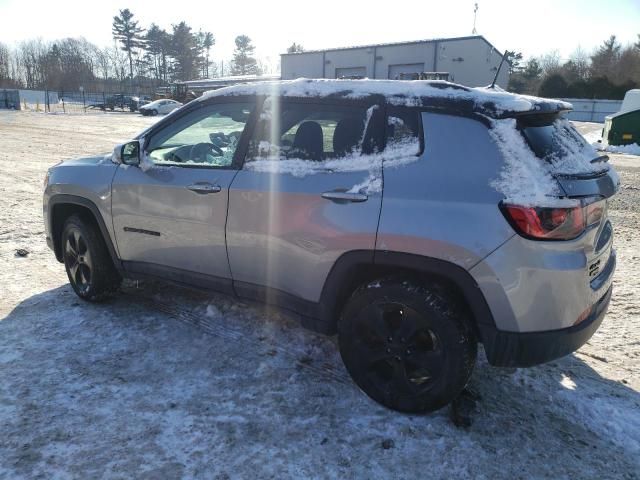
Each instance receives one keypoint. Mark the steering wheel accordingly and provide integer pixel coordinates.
(199, 151)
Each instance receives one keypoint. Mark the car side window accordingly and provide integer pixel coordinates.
(306, 131)
(207, 137)
(404, 130)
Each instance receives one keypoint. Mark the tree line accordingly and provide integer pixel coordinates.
(608, 72)
(139, 57)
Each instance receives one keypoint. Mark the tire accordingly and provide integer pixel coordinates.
(408, 346)
(154, 112)
(89, 267)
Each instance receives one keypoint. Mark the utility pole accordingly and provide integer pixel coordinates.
(475, 16)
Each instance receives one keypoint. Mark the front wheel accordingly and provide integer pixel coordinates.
(89, 267)
(407, 345)
(154, 112)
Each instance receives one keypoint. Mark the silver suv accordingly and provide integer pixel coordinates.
(414, 218)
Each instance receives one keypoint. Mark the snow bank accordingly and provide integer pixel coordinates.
(397, 92)
(632, 149)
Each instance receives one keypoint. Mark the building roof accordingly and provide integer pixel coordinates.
(393, 44)
(231, 79)
(438, 94)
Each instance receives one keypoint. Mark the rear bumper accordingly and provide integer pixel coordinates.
(512, 349)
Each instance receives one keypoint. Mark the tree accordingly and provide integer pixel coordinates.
(244, 63)
(532, 69)
(158, 46)
(295, 48)
(514, 59)
(125, 30)
(605, 57)
(184, 50)
(553, 86)
(580, 63)
(207, 42)
(550, 63)
(526, 79)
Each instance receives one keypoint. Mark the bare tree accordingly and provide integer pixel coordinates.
(550, 62)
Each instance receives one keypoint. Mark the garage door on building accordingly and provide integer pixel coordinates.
(351, 72)
(408, 68)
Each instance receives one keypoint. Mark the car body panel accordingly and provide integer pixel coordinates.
(442, 205)
(281, 233)
(168, 224)
(88, 178)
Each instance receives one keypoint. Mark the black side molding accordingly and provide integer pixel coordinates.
(141, 230)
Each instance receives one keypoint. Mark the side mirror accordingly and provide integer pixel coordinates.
(130, 153)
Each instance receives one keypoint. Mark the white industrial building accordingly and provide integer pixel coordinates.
(470, 61)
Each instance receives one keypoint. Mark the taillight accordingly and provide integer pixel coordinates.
(553, 223)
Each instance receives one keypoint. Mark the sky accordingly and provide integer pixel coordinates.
(531, 27)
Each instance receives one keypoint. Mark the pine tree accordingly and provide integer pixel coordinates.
(605, 58)
(244, 63)
(184, 49)
(125, 29)
(208, 42)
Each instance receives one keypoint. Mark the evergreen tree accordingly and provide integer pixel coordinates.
(184, 49)
(605, 58)
(158, 45)
(125, 30)
(514, 59)
(208, 42)
(244, 63)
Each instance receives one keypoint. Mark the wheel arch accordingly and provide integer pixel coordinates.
(354, 268)
(61, 207)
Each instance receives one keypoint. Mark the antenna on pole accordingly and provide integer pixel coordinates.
(475, 16)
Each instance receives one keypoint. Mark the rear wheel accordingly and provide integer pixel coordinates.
(406, 345)
(87, 261)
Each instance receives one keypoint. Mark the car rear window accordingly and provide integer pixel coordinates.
(553, 140)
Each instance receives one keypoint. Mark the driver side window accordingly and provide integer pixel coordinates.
(207, 137)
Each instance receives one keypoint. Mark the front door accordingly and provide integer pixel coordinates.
(309, 191)
(169, 214)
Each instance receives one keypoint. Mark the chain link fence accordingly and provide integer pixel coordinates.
(79, 101)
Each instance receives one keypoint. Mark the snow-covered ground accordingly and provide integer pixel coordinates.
(162, 382)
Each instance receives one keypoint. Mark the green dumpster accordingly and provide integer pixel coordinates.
(623, 128)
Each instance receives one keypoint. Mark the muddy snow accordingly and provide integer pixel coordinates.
(163, 382)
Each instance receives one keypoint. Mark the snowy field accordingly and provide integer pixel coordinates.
(163, 382)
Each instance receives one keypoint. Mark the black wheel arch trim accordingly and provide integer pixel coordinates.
(347, 265)
(65, 199)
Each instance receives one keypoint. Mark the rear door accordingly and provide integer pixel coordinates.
(169, 215)
(309, 191)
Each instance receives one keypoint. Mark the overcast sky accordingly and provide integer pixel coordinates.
(532, 27)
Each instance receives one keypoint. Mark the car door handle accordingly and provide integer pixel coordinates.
(345, 196)
(204, 188)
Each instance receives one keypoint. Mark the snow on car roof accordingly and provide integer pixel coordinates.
(493, 102)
